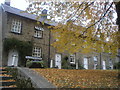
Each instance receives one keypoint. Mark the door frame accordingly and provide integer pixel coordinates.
(58, 63)
(13, 57)
(85, 65)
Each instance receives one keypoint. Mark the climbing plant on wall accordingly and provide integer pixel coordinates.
(23, 47)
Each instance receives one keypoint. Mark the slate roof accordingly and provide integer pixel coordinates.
(18, 12)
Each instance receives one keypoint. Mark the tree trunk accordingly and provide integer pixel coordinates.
(117, 4)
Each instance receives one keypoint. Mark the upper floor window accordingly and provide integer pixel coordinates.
(72, 58)
(38, 32)
(16, 26)
(36, 52)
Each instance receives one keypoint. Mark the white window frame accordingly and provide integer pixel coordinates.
(38, 32)
(37, 52)
(72, 58)
(16, 26)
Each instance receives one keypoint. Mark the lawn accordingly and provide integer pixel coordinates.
(63, 78)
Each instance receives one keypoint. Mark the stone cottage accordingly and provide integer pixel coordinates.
(24, 28)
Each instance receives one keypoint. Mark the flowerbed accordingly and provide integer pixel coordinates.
(63, 78)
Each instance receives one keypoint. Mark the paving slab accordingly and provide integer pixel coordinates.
(37, 80)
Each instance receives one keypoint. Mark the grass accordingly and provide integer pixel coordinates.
(63, 78)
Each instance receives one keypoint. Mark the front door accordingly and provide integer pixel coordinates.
(86, 63)
(104, 65)
(58, 60)
(13, 58)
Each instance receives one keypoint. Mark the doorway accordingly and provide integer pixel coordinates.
(86, 63)
(58, 60)
(13, 58)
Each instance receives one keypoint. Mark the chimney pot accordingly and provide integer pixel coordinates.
(44, 13)
(7, 2)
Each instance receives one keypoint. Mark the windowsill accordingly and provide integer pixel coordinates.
(72, 62)
(38, 37)
(16, 33)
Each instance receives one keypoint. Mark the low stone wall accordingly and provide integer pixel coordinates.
(37, 80)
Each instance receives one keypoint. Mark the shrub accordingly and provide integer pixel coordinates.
(35, 64)
(65, 63)
(21, 82)
(23, 47)
(117, 65)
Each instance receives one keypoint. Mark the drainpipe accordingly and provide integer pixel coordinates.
(100, 62)
(49, 49)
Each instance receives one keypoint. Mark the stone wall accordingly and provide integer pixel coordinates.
(0, 36)
(28, 34)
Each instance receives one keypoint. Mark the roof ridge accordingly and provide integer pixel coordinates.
(18, 12)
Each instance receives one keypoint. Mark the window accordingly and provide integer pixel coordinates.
(36, 52)
(38, 32)
(72, 58)
(16, 26)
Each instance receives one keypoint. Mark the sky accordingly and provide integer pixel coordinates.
(20, 4)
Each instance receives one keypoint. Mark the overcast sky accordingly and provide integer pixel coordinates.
(20, 4)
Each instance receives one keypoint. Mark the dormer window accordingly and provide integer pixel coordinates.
(38, 32)
(16, 26)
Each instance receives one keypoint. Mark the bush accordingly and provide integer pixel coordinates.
(20, 81)
(23, 47)
(35, 64)
(117, 65)
(65, 63)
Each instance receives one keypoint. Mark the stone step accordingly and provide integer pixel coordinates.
(7, 83)
(8, 87)
(5, 78)
(3, 72)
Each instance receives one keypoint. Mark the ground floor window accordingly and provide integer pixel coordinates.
(36, 52)
(72, 58)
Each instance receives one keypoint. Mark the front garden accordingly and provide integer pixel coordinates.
(64, 78)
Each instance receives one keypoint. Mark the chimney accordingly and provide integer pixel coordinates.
(7, 2)
(44, 14)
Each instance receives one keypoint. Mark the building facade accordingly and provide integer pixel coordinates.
(24, 27)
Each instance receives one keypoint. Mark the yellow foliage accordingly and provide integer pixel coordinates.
(73, 38)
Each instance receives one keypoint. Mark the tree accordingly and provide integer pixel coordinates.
(117, 4)
(83, 26)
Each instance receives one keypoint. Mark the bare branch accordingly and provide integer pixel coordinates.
(101, 17)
